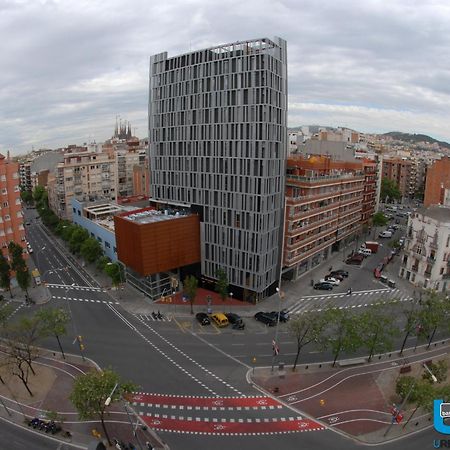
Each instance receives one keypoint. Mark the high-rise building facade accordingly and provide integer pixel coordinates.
(11, 216)
(217, 131)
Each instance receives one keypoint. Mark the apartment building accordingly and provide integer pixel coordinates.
(11, 217)
(402, 171)
(324, 203)
(25, 175)
(83, 175)
(437, 181)
(426, 256)
(371, 191)
(217, 131)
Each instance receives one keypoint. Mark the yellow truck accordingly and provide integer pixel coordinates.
(37, 277)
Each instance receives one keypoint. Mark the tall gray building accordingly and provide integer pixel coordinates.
(218, 144)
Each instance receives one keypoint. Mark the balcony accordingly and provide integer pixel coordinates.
(308, 240)
(431, 260)
(298, 258)
(299, 230)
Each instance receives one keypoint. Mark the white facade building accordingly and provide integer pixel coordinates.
(426, 259)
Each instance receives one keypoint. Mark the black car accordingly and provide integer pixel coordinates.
(203, 318)
(355, 259)
(342, 273)
(236, 321)
(265, 318)
(323, 286)
(284, 316)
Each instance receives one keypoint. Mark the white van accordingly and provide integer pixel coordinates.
(365, 251)
(385, 234)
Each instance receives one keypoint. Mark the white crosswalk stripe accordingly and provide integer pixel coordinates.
(343, 301)
(150, 318)
(76, 288)
(88, 300)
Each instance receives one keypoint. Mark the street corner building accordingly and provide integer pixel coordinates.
(218, 147)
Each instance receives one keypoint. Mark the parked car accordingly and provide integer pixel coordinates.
(355, 259)
(265, 318)
(342, 273)
(236, 321)
(220, 319)
(284, 315)
(330, 280)
(334, 275)
(203, 318)
(365, 251)
(323, 286)
(233, 318)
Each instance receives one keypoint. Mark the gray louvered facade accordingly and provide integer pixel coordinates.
(218, 143)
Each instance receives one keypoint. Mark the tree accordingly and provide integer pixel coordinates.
(389, 190)
(102, 262)
(376, 330)
(306, 328)
(91, 250)
(16, 256)
(26, 196)
(378, 220)
(67, 231)
(114, 271)
(5, 274)
(222, 284)
(23, 278)
(79, 235)
(432, 314)
(38, 193)
(91, 390)
(342, 334)
(190, 287)
(54, 322)
(21, 339)
(411, 315)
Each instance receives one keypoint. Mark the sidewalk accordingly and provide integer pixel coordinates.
(51, 387)
(354, 400)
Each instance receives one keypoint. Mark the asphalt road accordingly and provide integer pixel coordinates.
(171, 358)
(13, 437)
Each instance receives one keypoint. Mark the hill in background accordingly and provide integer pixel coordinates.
(415, 138)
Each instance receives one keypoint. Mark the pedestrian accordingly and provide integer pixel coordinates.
(330, 269)
(349, 292)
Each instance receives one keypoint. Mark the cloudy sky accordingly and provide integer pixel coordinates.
(68, 68)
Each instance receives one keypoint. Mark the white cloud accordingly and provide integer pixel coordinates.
(69, 67)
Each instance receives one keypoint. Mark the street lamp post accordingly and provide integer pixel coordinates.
(275, 342)
(231, 297)
(125, 407)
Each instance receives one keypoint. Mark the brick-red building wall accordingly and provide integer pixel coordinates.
(438, 179)
(155, 247)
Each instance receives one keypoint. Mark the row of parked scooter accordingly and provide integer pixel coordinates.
(49, 426)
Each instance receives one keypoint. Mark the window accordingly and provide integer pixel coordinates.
(5, 204)
(107, 245)
(4, 191)
(7, 217)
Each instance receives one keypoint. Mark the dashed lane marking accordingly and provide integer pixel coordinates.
(204, 402)
(251, 427)
(76, 288)
(88, 300)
